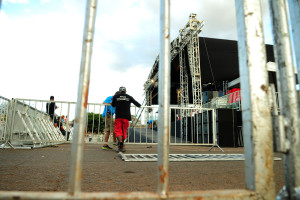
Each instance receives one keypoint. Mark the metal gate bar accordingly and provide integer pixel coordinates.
(205, 195)
(289, 98)
(82, 100)
(256, 115)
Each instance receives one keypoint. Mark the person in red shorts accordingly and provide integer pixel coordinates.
(122, 103)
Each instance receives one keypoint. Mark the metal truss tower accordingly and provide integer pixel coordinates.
(187, 40)
(194, 61)
(184, 80)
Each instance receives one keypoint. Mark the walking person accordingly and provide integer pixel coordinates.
(50, 109)
(122, 103)
(108, 114)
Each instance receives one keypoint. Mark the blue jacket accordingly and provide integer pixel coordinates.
(109, 109)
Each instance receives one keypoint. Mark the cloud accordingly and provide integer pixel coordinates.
(45, 1)
(40, 54)
(41, 51)
(15, 1)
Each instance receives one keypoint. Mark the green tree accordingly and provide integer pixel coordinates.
(93, 123)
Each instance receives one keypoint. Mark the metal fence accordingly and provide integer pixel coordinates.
(25, 123)
(231, 100)
(234, 100)
(3, 118)
(28, 125)
(188, 126)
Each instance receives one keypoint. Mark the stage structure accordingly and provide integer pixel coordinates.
(204, 75)
(186, 46)
(199, 66)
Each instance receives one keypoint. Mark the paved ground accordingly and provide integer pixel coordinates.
(47, 169)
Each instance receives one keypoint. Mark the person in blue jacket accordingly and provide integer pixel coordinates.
(108, 114)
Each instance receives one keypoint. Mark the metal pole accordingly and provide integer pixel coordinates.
(289, 99)
(294, 11)
(82, 100)
(257, 126)
(164, 99)
(68, 126)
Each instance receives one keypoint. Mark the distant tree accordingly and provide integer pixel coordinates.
(93, 123)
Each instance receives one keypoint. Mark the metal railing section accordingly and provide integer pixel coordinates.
(25, 123)
(188, 126)
(234, 101)
(3, 117)
(29, 127)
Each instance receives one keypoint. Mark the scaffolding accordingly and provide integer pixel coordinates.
(187, 43)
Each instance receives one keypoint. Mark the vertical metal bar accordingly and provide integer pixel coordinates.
(170, 121)
(146, 125)
(202, 124)
(197, 125)
(137, 120)
(82, 99)
(186, 124)
(257, 126)
(175, 111)
(99, 121)
(164, 99)
(87, 120)
(215, 137)
(294, 11)
(68, 121)
(192, 125)
(208, 126)
(93, 121)
(289, 99)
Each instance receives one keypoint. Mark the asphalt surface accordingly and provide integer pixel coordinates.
(47, 169)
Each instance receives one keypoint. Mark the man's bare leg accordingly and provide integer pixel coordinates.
(106, 138)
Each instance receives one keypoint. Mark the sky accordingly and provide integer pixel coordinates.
(41, 43)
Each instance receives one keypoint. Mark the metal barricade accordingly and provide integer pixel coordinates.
(193, 126)
(188, 126)
(3, 118)
(30, 127)
(25, 123)
(143, 127)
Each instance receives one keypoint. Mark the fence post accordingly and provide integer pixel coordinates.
(294, 10)
(164, 99)
(289, 111)
(257, 128)
(82, 100)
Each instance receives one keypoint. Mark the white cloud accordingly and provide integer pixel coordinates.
(15, 1)
(45, 1)
(42, 52)
(40, 56)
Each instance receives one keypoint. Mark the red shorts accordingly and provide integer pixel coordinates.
(121, 126)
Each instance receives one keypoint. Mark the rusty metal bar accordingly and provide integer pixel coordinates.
(289, 99)
(207, 195)
(164, 99)
(294, 11)
(257, 128)
(82, 100)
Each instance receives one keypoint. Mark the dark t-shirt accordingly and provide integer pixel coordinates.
(122, 103)
(50, 108)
